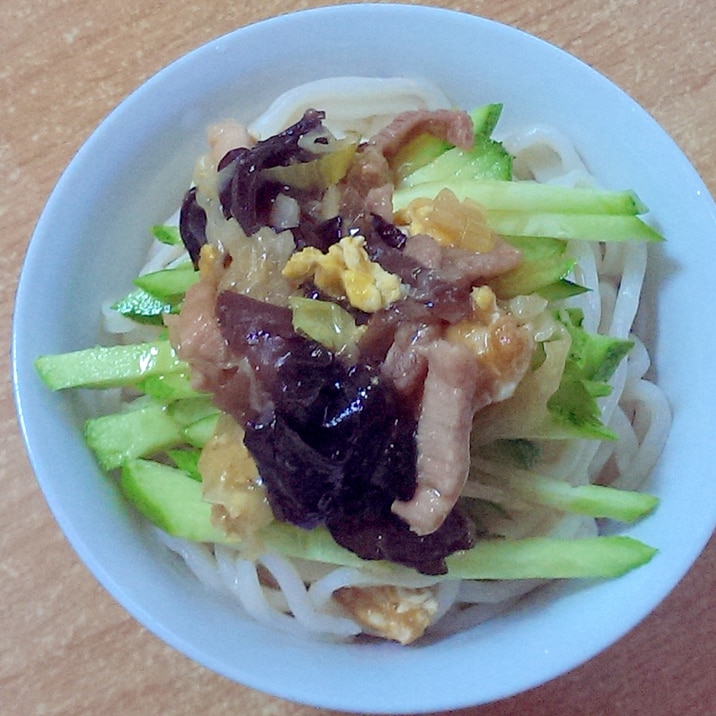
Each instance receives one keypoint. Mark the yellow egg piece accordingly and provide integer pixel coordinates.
(345, 271)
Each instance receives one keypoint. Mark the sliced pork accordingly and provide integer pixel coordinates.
(473, 364)
(454, 126)
(456, 265)
(197, 339)
(443, 436)
(368, 185)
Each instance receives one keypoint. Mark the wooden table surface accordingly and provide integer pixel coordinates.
(66, 646)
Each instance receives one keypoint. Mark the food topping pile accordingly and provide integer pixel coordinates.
(367, 432)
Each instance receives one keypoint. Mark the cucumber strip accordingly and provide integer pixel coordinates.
(119, 437)
(530, 276)
(487, 160)
(485, 118)
(537, 248)
(315, 544)
(169, 499)
(141, 306)
(200, 431)
(548, 558)
(189, 410)
(560, 290)
(186, 459)
(108, 367)
(527, 196)
(167, 284)
(167, 234)
(590, 500)
(425, 148)
(583, 227)
(417, 153)
(167, 387)
(533, 558)
(544, 270)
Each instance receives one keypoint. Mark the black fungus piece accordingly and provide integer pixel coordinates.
(301, 483)
(336, 444)
(388, 537)
(245, 194)
(388, 232)
(389, 255)
(263, 333)
(381, 326)
(319, 234)
(244, 321)
(192, 225)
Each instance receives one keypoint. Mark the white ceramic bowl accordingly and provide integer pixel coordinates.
(132, 172)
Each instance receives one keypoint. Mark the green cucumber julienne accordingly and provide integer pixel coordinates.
(524, 209)
(168, 283)
(142, 307)
(108, 367)
(591, 500)
(581, 227)
(117, 437)
(172, 500)
(527, 196)
(148, 427)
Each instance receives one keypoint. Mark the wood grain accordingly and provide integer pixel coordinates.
(67, 647)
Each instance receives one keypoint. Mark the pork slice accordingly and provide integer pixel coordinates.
(197, 339)
(480, 267)
(456, 265)
(406, 363)
(448, 275)
(443, 436)
(379, 201)
(367, 188)
(368, 184)
(425, 250)
(455, 126)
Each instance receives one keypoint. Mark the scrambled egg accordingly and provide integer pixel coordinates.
(500, 343)
(346, 271)
(231, 482)
(398, 613)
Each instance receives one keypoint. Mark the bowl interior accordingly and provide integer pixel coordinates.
(131, 174)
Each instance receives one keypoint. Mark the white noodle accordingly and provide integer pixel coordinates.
(632, 278)
(352, 104)
(654, 417)
(299, 603)
(465, 616)
(241, 577)
(198, 557)
(545, 154)
(586, 275)
(639, 360)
